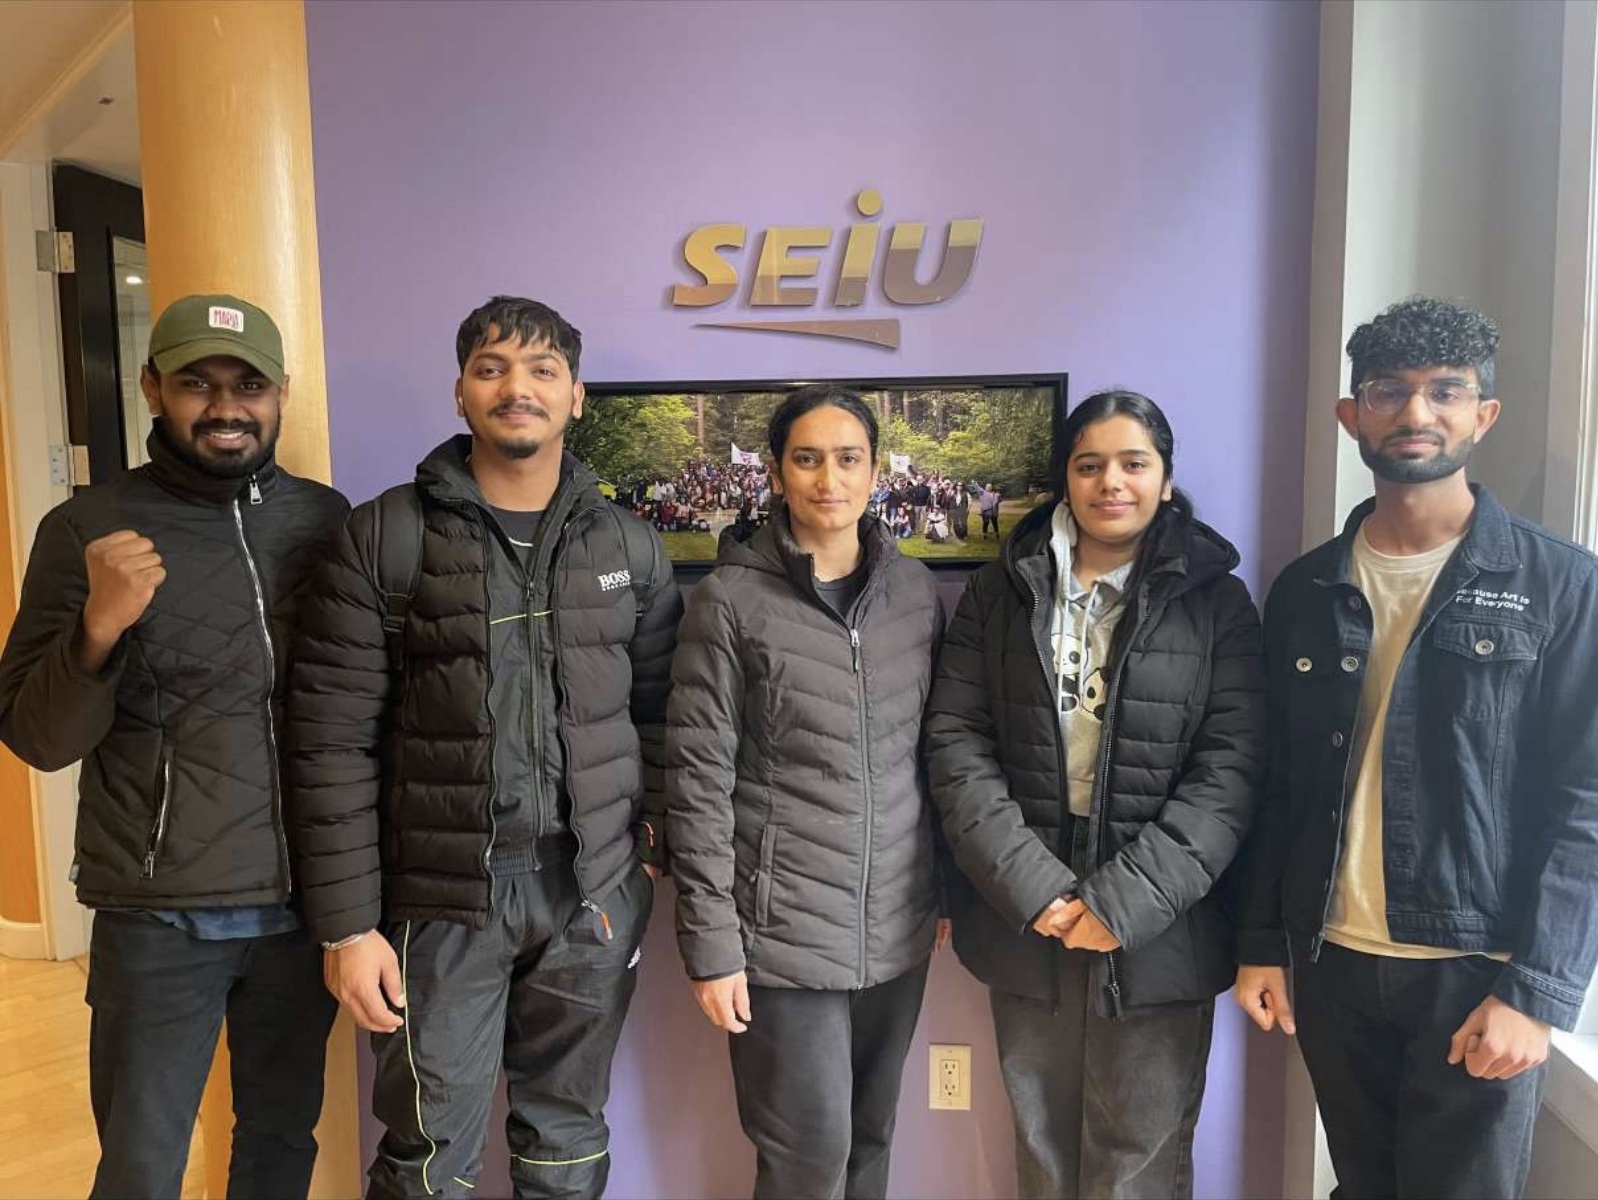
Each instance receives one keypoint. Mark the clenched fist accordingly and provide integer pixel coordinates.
(124, 571)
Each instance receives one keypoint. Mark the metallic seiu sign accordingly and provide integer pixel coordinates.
(778, 262)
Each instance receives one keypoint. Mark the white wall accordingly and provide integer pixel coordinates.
(1450, 175)
(1563, 1167)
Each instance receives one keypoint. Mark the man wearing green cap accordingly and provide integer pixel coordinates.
(151, 644)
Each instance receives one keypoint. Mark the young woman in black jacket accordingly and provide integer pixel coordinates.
(797, 825)
(1096, 742)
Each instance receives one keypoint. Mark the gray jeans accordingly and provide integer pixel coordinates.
(1103, 1107)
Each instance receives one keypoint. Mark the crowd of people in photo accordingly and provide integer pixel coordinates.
(692, 499)
(706, 496)
(935, 506)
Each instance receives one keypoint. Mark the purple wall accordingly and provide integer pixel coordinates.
(1146, 175)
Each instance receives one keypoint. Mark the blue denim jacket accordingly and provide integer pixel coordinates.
(1489, 761)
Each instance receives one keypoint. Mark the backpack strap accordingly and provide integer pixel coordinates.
(640, 548)
(399, 562)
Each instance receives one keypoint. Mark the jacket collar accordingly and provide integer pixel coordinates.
(182, 478)
(1192, 557)
(1488, 545)
(772, 549)
(446, 475)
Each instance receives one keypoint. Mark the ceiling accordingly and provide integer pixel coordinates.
(79, 54)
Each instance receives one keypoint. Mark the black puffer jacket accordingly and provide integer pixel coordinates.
(419, 847)
(1185, 734)
(801, 838)
(179, 801)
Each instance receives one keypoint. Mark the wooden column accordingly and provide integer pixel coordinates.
(230, 206)
(229, 198)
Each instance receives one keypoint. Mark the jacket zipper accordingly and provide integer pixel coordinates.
(856, 665)
(1052, 684)
(1101, 774)
(533, 733)
(865, 752)
(158, 829)
(560, 734)
(271, 683)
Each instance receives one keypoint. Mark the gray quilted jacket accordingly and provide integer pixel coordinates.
(180, 735)
(800, 832)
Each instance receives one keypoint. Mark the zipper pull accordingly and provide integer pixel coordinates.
(854, 648)
(149, 866)
(255, 491)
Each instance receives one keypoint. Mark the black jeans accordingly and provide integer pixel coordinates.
(1399, 1120)
(158, 997)
(542, 991)
(817, 1076)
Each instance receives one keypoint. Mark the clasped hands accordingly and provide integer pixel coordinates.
(1075, 924)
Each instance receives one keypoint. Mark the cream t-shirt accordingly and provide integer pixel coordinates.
(1396, 588)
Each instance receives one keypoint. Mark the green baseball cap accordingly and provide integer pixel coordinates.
(197, 327)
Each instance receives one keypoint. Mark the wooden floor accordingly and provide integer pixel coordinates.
(46, 1126)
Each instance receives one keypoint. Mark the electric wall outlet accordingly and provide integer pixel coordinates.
(949, 1077)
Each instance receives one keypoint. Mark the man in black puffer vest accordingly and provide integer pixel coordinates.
(477, 824)
(151, 642)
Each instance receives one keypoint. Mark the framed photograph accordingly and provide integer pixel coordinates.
(962, 458)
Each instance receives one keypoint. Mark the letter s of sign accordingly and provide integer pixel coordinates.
(720, 276)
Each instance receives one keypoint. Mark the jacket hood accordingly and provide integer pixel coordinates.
(1194, 554)
(446, 475)
(772, 548)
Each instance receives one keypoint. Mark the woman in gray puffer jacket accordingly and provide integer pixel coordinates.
(797, 826)
(1097, 737)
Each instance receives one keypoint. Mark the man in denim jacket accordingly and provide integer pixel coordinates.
(1427, 855)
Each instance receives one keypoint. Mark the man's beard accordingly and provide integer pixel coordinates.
(222, 464)
(520, 447)
(1416, 470)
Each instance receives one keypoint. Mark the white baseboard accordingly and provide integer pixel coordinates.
(18, 940)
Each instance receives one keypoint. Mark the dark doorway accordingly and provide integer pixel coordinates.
(105, 317)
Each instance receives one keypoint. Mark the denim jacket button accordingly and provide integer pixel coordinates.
(1337, 737)
(1354, 603)
(1485, 647)
(1350, 663)
(1303, 665)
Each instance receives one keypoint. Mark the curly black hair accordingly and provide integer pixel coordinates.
(1426, 332)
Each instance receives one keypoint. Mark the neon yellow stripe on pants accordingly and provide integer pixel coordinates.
(410, 1057)
(558, 1162)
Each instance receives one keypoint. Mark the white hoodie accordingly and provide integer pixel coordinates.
(1081, 630)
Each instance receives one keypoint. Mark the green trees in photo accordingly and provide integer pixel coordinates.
(624, 439)
(993, 436)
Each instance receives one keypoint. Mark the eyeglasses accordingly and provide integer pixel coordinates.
(1388, 396)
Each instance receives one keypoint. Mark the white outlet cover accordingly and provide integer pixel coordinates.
(949, 1077)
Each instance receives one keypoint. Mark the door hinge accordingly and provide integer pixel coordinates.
(55, 252)
(69, 466)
